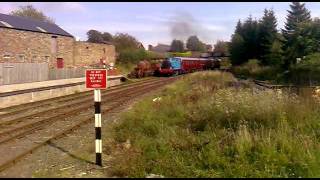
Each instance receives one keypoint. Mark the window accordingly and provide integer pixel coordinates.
(20, 57)
(54, 44)
(46, 58)
(6, 56)
(34, 58)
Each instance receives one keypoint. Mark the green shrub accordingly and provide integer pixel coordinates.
(252, 69)
(132, 56)
(307, 72)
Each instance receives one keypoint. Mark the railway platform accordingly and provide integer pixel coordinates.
(16, 94)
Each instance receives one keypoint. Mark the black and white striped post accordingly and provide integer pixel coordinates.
(97, 117)
(97, 79)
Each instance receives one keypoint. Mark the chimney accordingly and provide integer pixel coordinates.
(150, 47)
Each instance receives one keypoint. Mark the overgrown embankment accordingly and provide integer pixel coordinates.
(201, 126)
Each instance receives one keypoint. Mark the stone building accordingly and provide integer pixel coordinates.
(25, 40)
(86, 53)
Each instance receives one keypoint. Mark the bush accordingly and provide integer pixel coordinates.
(201, 127)
(252, 69)
(135, 55)
(307, 72)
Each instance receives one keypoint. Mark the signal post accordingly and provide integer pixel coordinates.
(97, 79)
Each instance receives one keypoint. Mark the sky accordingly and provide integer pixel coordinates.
(158, 22)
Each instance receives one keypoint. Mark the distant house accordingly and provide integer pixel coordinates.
(209, 48)
(24, 40)
(160, 48)
(140, 45)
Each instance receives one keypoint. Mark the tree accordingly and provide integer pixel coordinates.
(274, 57)
(30, 12)
(194, 44)
(267, 35)
(177, 46)
(94, 36)
(106, 36)
(239, 29)
(237, 50)
(221, 47)
(250, 33)
(298, 16)
(124, 41)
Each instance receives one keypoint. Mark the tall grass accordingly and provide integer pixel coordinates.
(204, 127)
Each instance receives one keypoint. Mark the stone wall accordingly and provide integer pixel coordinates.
(18, 46)
(86, 53)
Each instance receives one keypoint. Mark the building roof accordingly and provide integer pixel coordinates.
(27, 24)
(162, 48)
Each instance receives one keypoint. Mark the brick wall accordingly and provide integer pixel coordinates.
(24, 46)
(86, 53)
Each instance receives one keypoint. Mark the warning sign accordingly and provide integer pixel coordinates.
(96, 78)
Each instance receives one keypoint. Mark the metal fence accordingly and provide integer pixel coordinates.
(15, 73)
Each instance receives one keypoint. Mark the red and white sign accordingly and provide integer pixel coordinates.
(96, 78)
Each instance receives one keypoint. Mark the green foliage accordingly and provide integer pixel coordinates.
(237, 49)
(135, 55)
(124, 41)
(245, 41)
(295, 43)
(267, 36)
(107, 37)
(307, 72)
(194, 44)
(221, 47)
(201, 127)
(225, 63)
(94, 36)
(253, 69)
(177, 46)
(31, 12)
(274, 57)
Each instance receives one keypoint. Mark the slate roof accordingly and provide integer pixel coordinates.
(161, 48)
(26, 24)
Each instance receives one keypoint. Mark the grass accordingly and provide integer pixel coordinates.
(204, 127)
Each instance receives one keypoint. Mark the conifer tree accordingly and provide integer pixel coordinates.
(293, 48)
(267, 35)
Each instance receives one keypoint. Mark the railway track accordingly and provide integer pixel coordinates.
(34, 110)
(7, 111)
(21, 134)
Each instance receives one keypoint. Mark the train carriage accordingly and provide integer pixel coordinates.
(181, 65)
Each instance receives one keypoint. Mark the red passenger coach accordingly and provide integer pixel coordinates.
(192, 64)
(181, 65)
